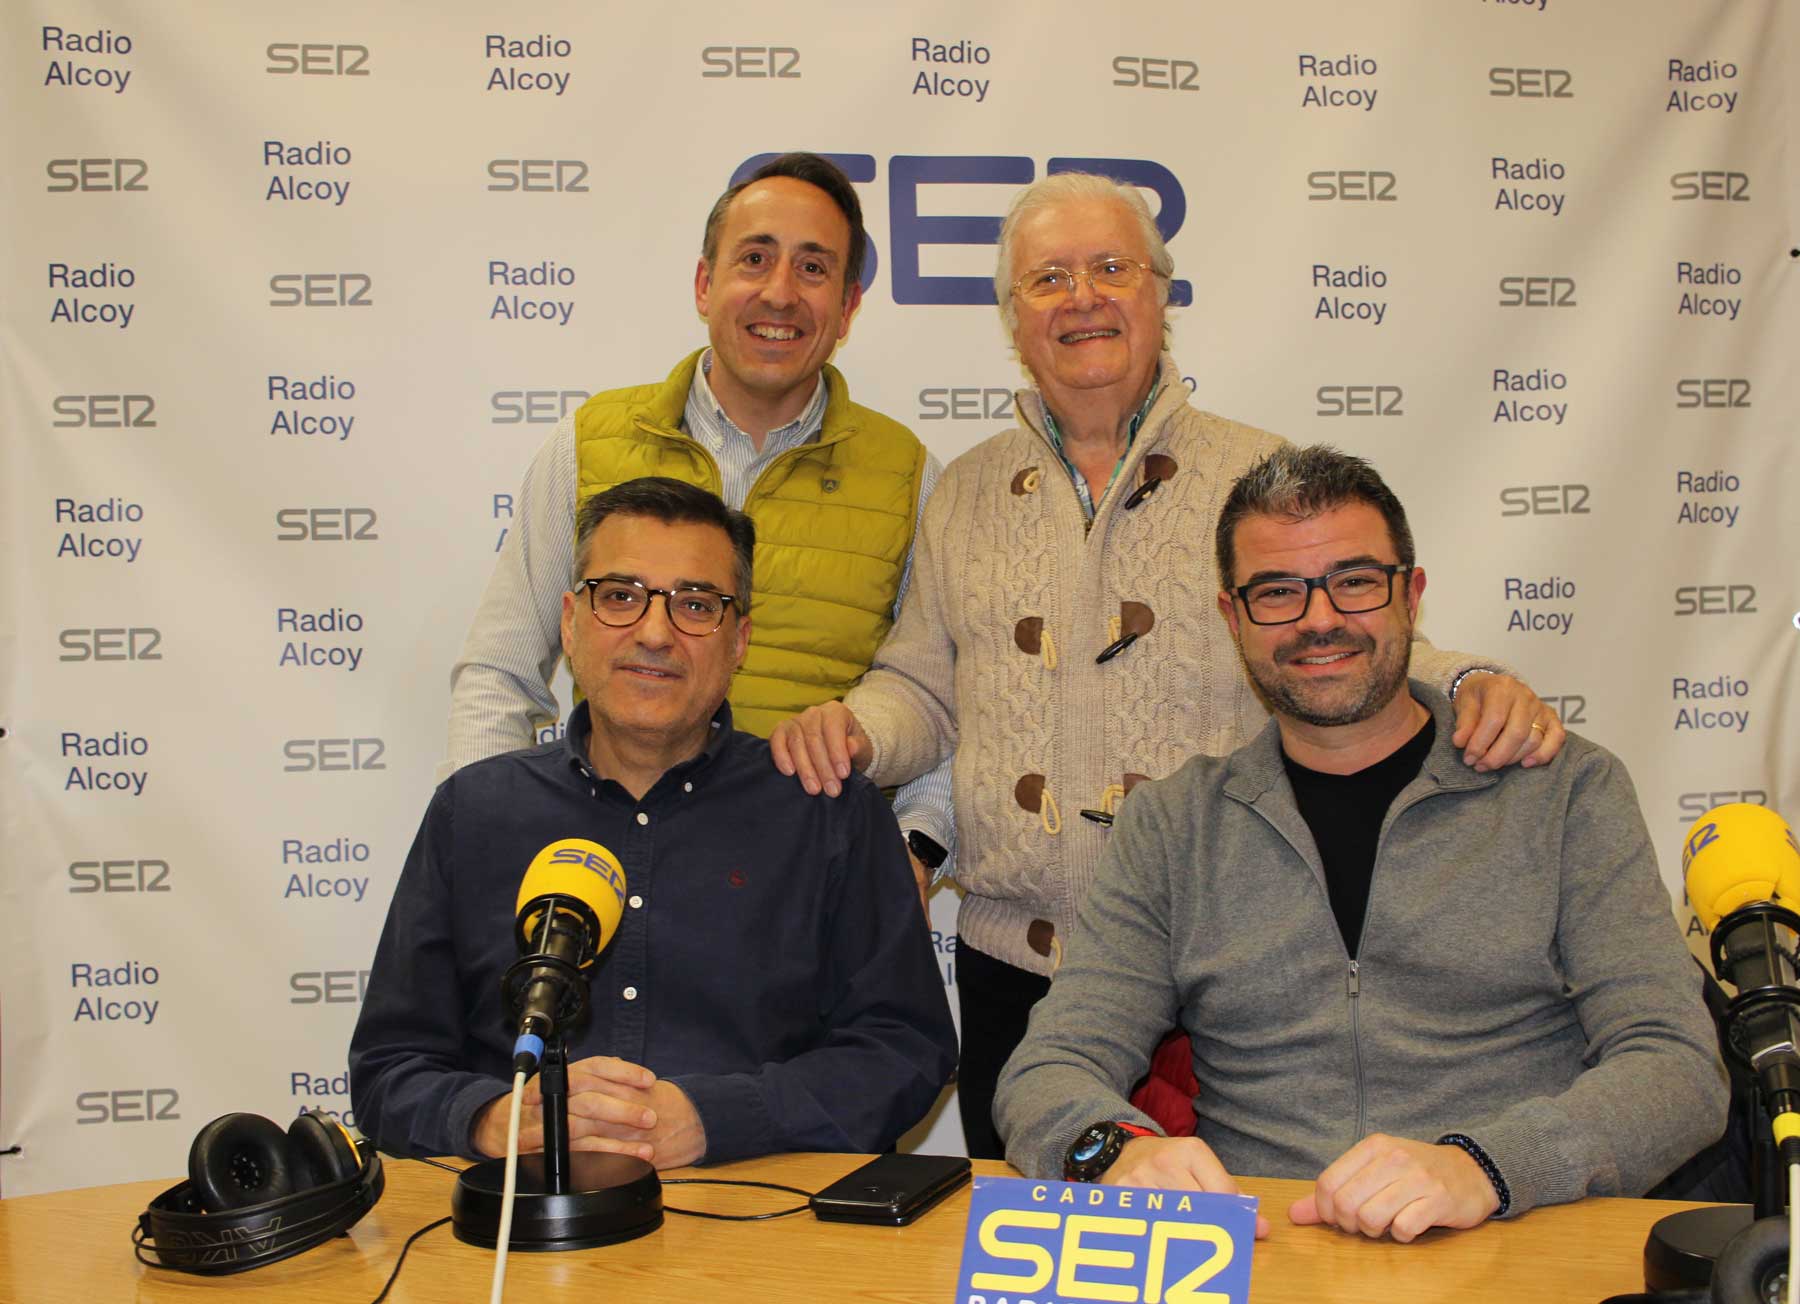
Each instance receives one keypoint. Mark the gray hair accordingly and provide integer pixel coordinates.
(1300, 483)
(1063, 188)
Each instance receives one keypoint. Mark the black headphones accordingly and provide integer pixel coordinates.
(257, 1195)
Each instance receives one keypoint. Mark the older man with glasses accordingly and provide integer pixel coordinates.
(771, 986)
(1060, 636)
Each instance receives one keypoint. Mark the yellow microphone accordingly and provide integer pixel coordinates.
(1741, 865)
(1736, 854)
(569, 905)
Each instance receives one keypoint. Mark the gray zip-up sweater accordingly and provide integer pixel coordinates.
(1520, 979)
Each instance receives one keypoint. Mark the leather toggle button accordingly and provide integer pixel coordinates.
(1040, 936)
(1032, 795)
(1028, 634)
(1157, 467)
(1133, 622)
(1026, 481)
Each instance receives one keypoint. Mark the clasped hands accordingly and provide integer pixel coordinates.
(1382, 1185)
(614, 1106)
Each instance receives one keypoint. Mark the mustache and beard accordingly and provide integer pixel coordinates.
(1346, 699)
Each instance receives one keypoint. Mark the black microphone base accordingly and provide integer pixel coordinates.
(1681, 1249)
(611, 1198)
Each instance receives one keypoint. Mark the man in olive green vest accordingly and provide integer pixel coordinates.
(762, 420)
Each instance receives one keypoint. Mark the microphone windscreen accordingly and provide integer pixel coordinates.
(1736, 854)
(574, 867)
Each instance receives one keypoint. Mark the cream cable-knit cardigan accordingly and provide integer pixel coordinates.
(1013, 596)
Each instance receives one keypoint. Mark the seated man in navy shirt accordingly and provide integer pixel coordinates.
(771, 986)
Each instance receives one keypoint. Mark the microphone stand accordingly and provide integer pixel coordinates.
(1682, 1248)
(563, 1200)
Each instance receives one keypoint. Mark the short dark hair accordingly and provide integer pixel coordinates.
(815, 170)
(673, 502)
(1299, 483)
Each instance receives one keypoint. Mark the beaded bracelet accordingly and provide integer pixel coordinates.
(1469, 1146)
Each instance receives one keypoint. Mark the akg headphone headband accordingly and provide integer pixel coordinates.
(176, 1231)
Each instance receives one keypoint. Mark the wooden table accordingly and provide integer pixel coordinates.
(73, 1248)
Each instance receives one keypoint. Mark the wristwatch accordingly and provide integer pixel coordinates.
(929, 853)
(1095, 1150)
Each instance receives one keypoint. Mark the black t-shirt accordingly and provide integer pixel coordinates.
(1344, 812)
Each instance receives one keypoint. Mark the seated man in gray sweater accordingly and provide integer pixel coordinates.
(1445, 995)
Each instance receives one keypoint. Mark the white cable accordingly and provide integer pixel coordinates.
(1793, 1290)
(511, 1188)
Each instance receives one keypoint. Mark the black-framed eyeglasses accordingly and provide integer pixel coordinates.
(620, 603)
(1352, 591)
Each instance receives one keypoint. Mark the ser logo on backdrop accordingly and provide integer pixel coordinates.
(328, 986)
(1359, 401)
(104, 175)
(1544, 500)
(87, 877)
(1571, 708)
(1727, 187)
(317, 59)
(536, 407)
(321, 290)
(1531, 83)
(1712, 392)
(1155, 74)
(1692, 805)
(1352, 186)
(1716, 600)
(755, 61)
(910, 230)
(128, 1105)
(332, 755)
(116, 643)
(550, 176)
(103, 412)
(1537, 292)
(326, 525)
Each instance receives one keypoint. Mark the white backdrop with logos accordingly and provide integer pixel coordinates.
(291, 297)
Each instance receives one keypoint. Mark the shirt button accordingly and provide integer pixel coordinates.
(687, 787)
(630, 993)
(643, 818)
(637, 902)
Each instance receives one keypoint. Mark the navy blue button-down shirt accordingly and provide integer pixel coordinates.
(772, 959)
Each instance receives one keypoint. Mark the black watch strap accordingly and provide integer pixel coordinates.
(1096, 1149)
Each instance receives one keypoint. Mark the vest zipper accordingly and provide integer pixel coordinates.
(1353, 989)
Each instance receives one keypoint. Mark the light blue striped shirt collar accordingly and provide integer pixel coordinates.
(739, 461)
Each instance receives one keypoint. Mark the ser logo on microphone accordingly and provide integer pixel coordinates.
(602, 865)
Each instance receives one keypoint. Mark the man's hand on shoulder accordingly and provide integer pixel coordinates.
(1386, 1184)
(1500, 722)
(614, 1106)
(820, 747)
(1174, 1163)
